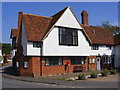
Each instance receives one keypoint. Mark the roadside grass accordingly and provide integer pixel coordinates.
(70, 75)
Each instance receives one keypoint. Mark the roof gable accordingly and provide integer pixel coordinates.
(68, 19)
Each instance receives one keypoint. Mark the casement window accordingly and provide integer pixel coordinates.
(52, 61)
(77, 60)
(68, 36)
(91, 60)
(25, 64)
(106, 59)
(36, 44)
(95, 47)
(109, 47)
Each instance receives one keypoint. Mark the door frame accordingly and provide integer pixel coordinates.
(98, 57)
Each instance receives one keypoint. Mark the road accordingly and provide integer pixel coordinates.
(109, 82)
(9, 83)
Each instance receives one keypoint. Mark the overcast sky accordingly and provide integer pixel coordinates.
(98, 12)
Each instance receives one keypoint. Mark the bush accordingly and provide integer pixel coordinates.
(5, 62)
(93, 75)
(104, 73)
(112, 71)
(81, 77)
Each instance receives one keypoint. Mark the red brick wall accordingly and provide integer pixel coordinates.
(33, 67)
(92, 67)
(51, 70)
(27, 71)
(36, 65)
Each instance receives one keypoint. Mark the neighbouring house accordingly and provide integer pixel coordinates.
(13, 36)
(60, 44)
(117, 50)
(1, 58)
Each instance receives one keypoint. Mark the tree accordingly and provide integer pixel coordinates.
(110, 27)
(6, 48)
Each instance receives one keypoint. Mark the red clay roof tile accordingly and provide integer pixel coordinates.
(38, 26)
(99, 35)
(14, 33)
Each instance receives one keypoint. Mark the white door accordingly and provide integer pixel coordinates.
(98, 59)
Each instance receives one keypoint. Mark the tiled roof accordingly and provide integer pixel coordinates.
(98, 35)
(117, 39)
(14, 33)
(38, 26)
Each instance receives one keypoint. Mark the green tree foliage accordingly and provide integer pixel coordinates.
(6, 48)
(112, 28)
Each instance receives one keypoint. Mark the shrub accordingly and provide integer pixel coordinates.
(112, 71)
(5, 61)
(81, 77)
(93, 75)
(104, 72)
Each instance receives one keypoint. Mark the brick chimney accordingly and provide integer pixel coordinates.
(84, 15)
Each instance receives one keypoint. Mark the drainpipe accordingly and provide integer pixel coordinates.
(41, 54)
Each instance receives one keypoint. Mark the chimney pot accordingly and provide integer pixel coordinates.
(84, 15)
(20, 12)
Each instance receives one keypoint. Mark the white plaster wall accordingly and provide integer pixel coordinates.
(68, 20)
(117, 55)
(24, 39)
(51, 46)
(33, 51)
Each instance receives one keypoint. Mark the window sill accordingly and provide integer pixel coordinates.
(91, 63)
(67, 45)
(106, 63)
(77, 64)
(53, 65)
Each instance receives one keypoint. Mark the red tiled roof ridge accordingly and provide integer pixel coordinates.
(37, 15)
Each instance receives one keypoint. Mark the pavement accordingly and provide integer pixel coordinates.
(106, 82)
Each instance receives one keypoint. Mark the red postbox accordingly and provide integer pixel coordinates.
(68, 64)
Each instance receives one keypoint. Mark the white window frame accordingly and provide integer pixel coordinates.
(60, 61)
(17, 64)
(25, 64)
(91, 60)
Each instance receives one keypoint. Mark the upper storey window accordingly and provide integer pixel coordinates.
(36, 44)
(68, 36)
(95, 47)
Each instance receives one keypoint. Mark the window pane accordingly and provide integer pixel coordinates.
(68, 36)
(25, 64)
(54, 61)
(77, 60)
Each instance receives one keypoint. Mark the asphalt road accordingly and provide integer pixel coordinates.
(9, 83)
(109, 82)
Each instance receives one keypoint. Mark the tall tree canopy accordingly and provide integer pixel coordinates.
(6, 48)
(112, 28)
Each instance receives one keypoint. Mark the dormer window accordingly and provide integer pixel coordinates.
(95, 47)
(37, 44)
(68, 36)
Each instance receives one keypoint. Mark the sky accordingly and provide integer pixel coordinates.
(98, 12)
